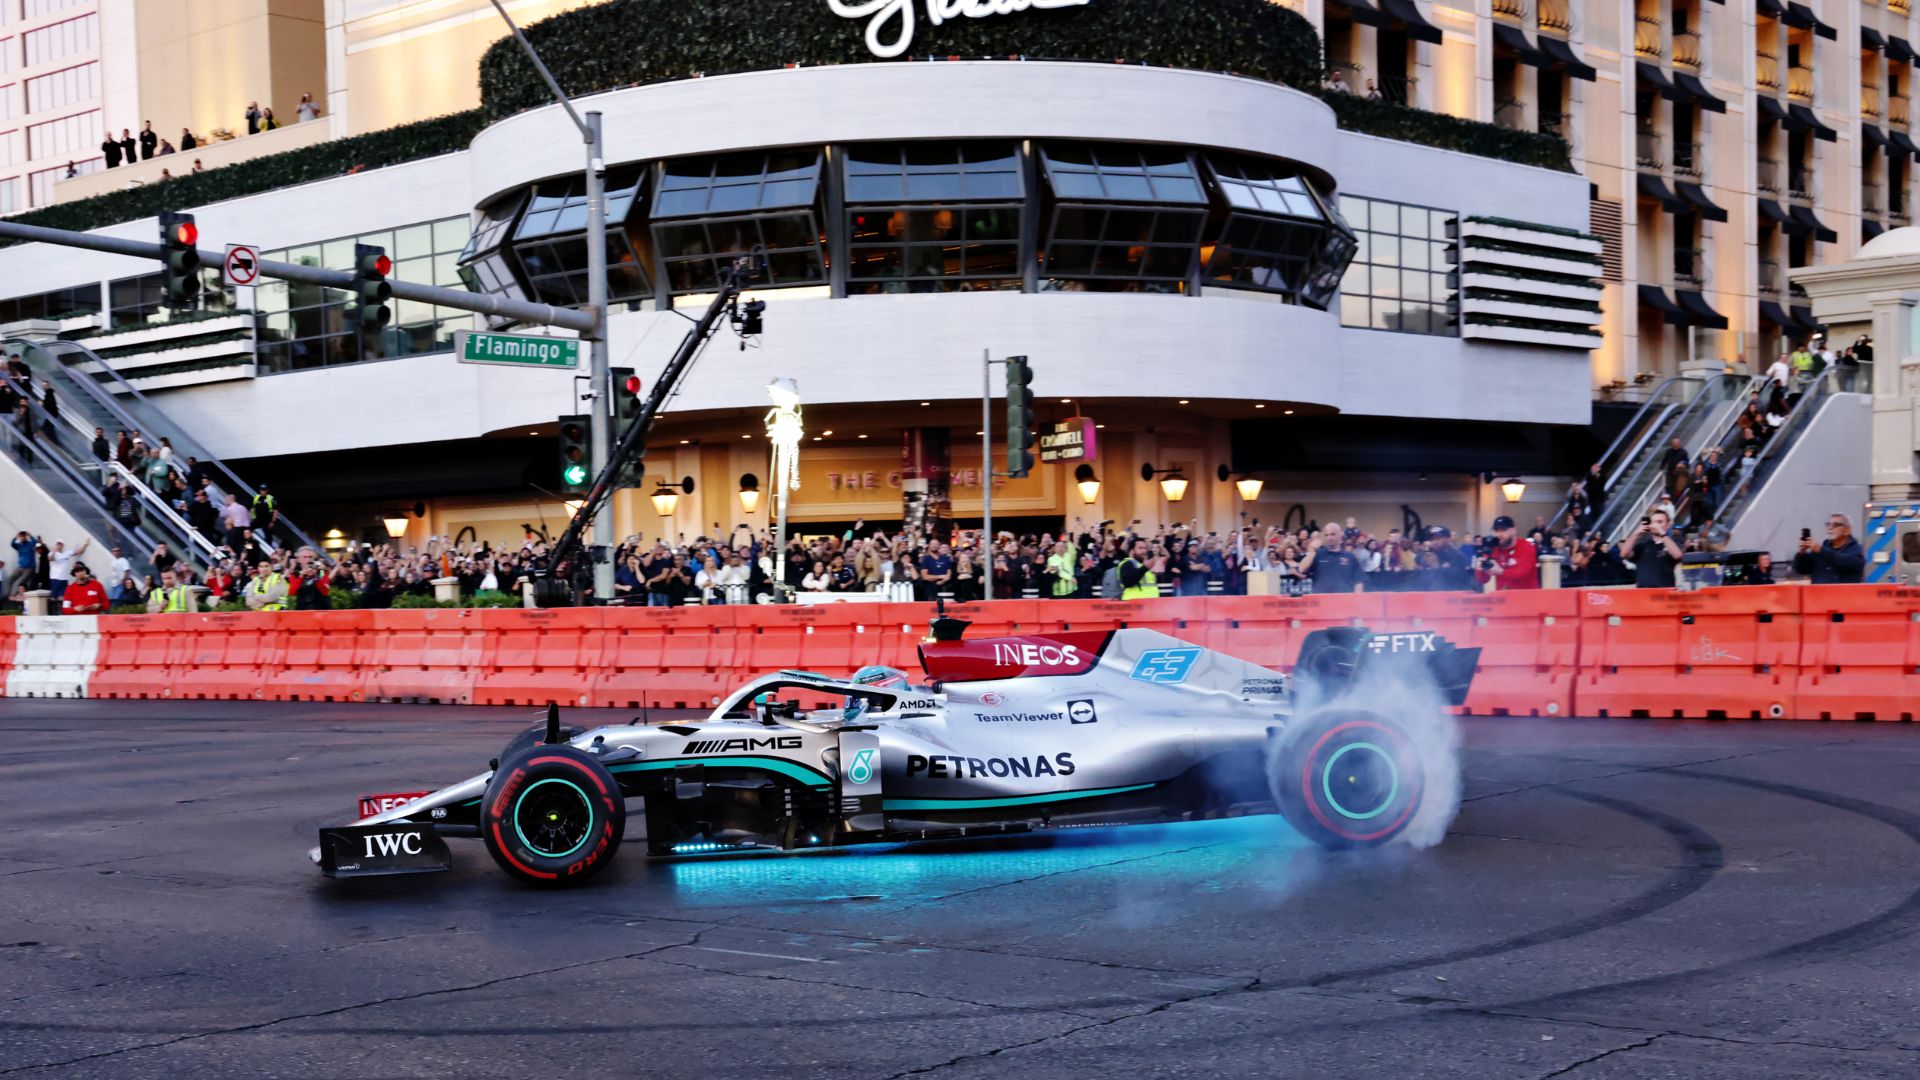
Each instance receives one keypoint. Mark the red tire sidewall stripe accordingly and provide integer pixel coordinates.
(494, 814)
(1313, 802)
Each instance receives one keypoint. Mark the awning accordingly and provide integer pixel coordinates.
(1655, 297)
(1871, 39)
(1563, 54)
(1690, 83)
(1361, 11)
(1697, 196)
(1657, 79)
(1408, 13)
(1770, 7)
(1820, 130)
(1777, 214)
(1803, 318)
(1869, 229)
(1699, 311)
(1903, 142)
(1515, 39)
(1771, 108)
(1873, 134)
(1777, 315)
(1798, 14)
(1805, 216)
(1898, 49)
(1656, 189)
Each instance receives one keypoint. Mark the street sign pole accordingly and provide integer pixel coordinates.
(986, 471)
(601, 429)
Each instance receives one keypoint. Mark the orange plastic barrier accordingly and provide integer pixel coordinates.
(225, 655)
(1859, 653)
(7, 645)
(138, 655)
(1529, 644)
(534, 657)
(673, 658)
(1727, 652)
(1183, 617)
(1268, 630)
(424, 655)
(319, 657)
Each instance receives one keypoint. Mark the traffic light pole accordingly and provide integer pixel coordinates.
(986, 471)
(601, 428)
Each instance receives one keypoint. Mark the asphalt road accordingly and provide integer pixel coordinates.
(1616, 899)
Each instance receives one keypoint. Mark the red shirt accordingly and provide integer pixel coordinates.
(84, 598)
(1519, 566)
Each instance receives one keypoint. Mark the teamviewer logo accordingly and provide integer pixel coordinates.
(1081, 712)
(1165, 665)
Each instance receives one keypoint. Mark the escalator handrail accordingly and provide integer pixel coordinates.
(159, 504)
(108, 400)
(1611, 474)
(133, 539)
(1817, 394)
(1646, 494)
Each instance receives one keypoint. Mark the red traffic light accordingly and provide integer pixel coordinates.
(383, 266)
(186, 232)
(633, 384)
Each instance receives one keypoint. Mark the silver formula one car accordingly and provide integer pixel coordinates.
(1012, 735)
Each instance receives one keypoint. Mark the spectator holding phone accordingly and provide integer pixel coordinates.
(1332, 568)
(1651, 550)
(1838, 560)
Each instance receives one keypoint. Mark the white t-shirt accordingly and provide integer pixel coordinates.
(121, 568)
(1779, 372)
(60, 565)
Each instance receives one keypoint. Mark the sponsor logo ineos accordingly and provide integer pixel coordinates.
(1027, 654)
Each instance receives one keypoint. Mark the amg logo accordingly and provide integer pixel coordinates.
(722, 746)
(1394, 643)
(387, 845)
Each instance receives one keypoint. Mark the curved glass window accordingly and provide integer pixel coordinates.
(1279, 233)
(933, 217)
(484, 265)
(712, 210)
(551, 241)
(1147, 246)
(1122, 173)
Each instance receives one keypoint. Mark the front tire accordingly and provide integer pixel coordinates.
(1347, 778)
(552, 816)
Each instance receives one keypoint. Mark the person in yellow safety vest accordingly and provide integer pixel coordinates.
(1060, 566)
(267, 590)
(1137, 580)
(171, 597)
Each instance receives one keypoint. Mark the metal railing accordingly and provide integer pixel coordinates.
(1553, 124)
(1687, 159)
(1771, 281)
(1555, 15)
(1646, 37)
(1398, 89)
(1897, 111)
(1511, 114)
(1689, 267)
(1769, 175)
(1513, 10)
(1869, 101)
(1696, 426)
(55, 467)
(1650, 151)
(1686, 48)
(1665, 402)
(1753, 476)
(1766, 72)
(1870, 198)
(1800, 83)
(1899, 6)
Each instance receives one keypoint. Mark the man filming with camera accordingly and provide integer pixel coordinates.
(1651, 549)
(1511, 562)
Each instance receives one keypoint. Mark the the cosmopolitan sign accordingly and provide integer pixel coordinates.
(891, 22)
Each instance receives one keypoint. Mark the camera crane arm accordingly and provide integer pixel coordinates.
(633, 441)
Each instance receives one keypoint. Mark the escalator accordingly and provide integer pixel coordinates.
(1815, 463)
(61, 465)
(92, 394)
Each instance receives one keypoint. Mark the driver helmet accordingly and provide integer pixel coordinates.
(872, 675)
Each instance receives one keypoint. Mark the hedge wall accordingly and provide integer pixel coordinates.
(1391, 121)
(624, 42)
(408, 142)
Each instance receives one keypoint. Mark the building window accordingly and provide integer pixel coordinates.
(1400, 277)
(40, 184)
(484, 265)
(10, 196)
(933, 217)
(306, 326)
(66, 136)
(1149, 244)
(58, 304)
(551, 241)
(50, 43)
(36, 9)
(138, 301)
(1280, 235)
(710, 211)
(65, 87)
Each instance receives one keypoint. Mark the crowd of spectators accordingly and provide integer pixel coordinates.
(128, 148)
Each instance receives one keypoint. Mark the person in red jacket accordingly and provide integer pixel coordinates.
(1512, 563)
(85, 595)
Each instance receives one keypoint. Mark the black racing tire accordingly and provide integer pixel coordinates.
(552, 816)
(534, 736)
(1347, 778)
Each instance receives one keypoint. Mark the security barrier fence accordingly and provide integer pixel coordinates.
(1840, 652)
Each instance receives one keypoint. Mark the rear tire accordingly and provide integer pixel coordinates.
(1347, 778)
(552, 816)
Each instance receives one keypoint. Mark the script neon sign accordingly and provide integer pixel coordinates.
(885, 13)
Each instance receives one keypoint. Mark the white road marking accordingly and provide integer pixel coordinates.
(766, 955)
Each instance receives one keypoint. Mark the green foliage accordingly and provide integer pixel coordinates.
(340, 599)
(409, 600)
(127, 609)
(492, 598)
(1406, 124)
(231, 603)
(408, 142)
(626, 42)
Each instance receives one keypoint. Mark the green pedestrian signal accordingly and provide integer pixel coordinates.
(576, 454)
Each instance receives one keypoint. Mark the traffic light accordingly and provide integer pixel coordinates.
(626, 394)
(179, 240)
(576, 454)
(367, 308)
(1020, 432)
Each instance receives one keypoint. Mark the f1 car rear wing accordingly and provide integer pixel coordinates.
(1335, 658)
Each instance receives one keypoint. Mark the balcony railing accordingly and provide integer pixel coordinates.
(1652, 152)
(1769, 178)
(1646, 37)
(1870, 198)
(1686, 48)
(1395, 88)
(1900, 217)
(1897, 111)
(1349, 74)
(1556, 15)
(1510, 114)
(1770, 278)
(1514, 10)
(1869, 101)
(1554, 124)
(1687, 160)
(1899, 6)
(1800, 83)
(1766, 72)
(1689, 267)
(1798, 184)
